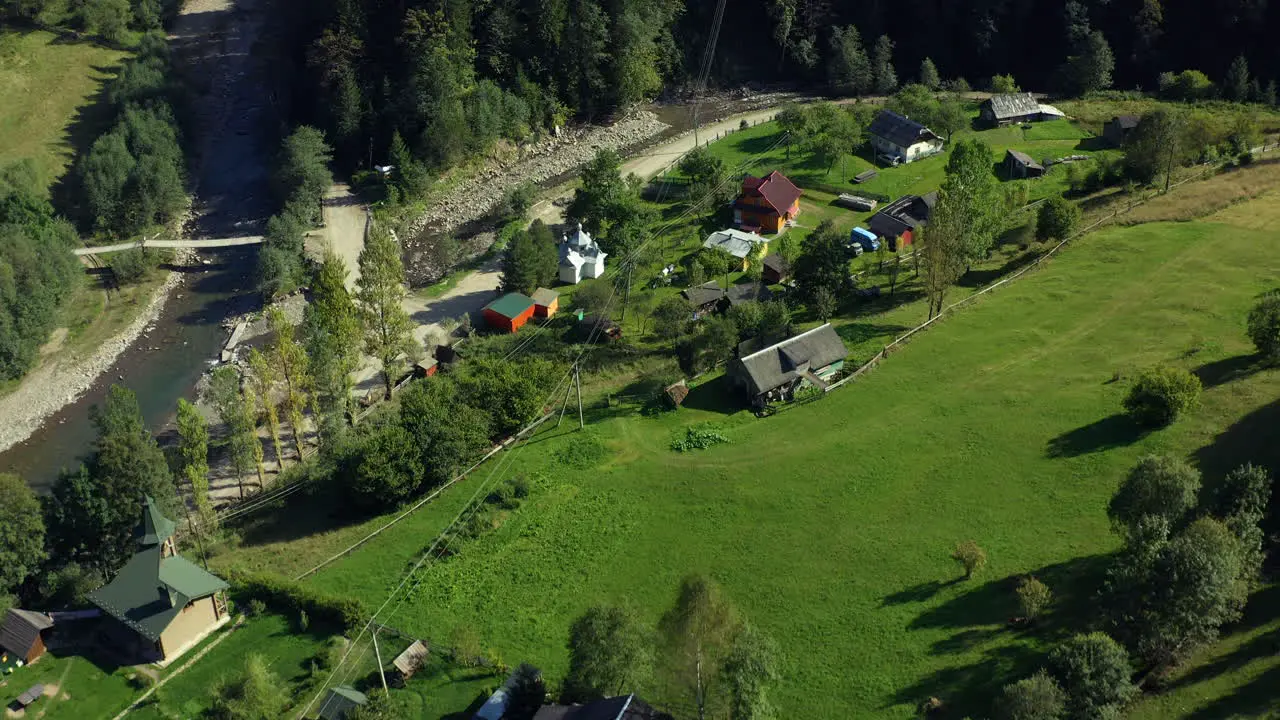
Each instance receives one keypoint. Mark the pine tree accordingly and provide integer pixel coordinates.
(387, 328)
(929, 75)
(886, 79)
(1236, 84)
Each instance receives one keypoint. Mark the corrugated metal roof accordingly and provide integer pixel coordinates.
(544, 297)
(511, 305)
(1013, 105)
(735, 242)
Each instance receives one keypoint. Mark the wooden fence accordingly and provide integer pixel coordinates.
(1207, 168)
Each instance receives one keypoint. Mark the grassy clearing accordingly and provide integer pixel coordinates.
(1198, 199)
(46, 88)
(1042, 140)
(1093, 113)
(830, 524)
(441, 690)
(86, 689)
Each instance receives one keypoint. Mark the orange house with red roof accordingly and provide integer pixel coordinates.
(766, 203)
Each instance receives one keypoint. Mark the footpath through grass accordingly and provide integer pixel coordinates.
(47, 90)
(830, 524)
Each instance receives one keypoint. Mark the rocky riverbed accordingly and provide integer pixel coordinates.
(59, 383)
(542, 161)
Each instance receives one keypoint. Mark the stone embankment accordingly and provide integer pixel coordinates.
(547, 159)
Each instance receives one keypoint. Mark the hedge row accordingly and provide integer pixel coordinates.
(289, 597)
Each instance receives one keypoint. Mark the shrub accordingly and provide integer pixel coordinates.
(1264, 326)
(1057, 218)
(131, 266)
(1161, 394)
(291, 598)
(1035, 698)
(257, 607)
(698, 437)
(970, 557)
(1094, 671)
(1033, 597)
(1004, 84)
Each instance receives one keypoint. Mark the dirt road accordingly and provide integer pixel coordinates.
(653, 161)
(344, 224)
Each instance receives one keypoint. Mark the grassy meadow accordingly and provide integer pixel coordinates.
(47, 90)
(830, 524)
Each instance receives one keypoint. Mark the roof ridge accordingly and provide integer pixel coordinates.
(778, 345)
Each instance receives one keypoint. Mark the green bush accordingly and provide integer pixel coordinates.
(1161, 394)
(698, 437)
(1264, 326)
(293, 599)
(131, 266)
(1057, 218)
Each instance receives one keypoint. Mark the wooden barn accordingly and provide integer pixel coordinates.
(775, 270)
(22, 634)
(766, 204)
(1118, 129)
(509, 313)
(897, 222)
(1021, 165)
(545, 302)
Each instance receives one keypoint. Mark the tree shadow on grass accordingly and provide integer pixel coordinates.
(1251, 700)
(980, 615)
(91, 120)
(718, 396)
(1094, 144)
(1108, 433)
(758, 144)
(1265, 645)
(967, 690)
(470, 710)
(918, 592)
(1251, 439)
(294, 518)
(858, 333)
(980, 277)
(1228, 370)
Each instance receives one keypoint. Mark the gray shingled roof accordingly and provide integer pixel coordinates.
(625, 707)
(782, 363)
(1025, 159)
(707, 292)
(899, 130)
(1012, 106)
(906, 213)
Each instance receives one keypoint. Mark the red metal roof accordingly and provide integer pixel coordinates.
(779, 192)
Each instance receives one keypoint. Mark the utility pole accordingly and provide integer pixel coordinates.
(626, 293)
(378, 653)
(565, 405)
(577, 381)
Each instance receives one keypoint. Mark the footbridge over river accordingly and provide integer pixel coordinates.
(189, 244)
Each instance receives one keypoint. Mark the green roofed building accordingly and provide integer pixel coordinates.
(160, 603)
(509, 312)
(340, 701)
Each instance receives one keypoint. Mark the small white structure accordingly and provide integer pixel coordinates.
(735, 242)
(580, 257)
(1049, 112)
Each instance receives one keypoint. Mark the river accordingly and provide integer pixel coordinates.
(213, 42)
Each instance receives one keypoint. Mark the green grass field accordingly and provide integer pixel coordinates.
(830, 524)
(46, 89)
(1054, 139)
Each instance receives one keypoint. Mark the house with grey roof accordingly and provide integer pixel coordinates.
(580, 257)
(898, 222)
(741, 245)
(160, 604)
(776, 372)
(901, 138)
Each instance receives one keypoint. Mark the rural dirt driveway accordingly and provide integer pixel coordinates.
(344, 222)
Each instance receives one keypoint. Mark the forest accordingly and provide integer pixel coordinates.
(446, 79)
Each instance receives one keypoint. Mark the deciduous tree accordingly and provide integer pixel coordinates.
(1264, 326)
(1056, 218)
(970, 557)
(1161, 394)
(697, 633)
(228, 401)
(193, 452)
(610, 653)
(332, 337)
(531, 261)
(1158, 485)
(749, 670)
(387, 328)
(291, 361)
(1035, 698)
(1094, 672)
(21, 532)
